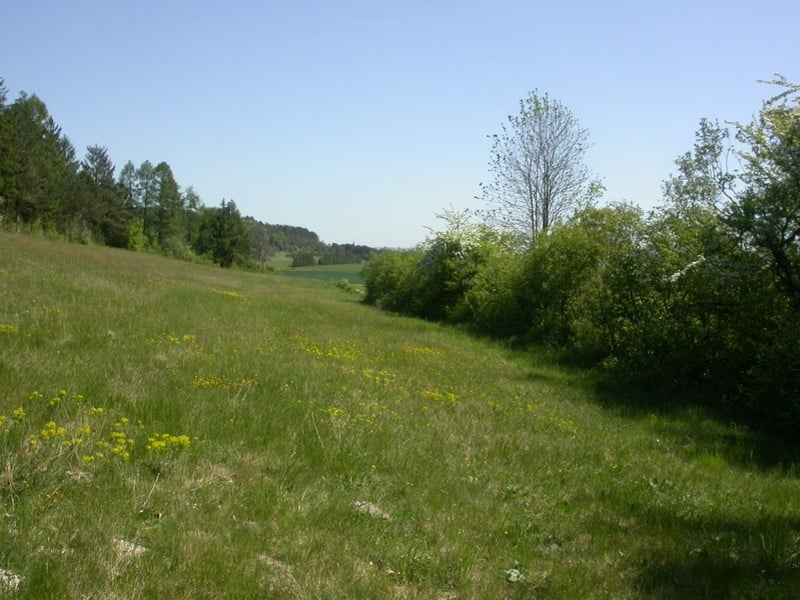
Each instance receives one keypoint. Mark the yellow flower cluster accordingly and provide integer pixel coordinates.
(423, 350)
(16, 416)
(78, 431)
(165, 442)
(56, 400)
(121, 444)
(558, 421)
(512, 407)
(53, 435)
(370, 415)
(230, 294)
(349, 352)
(338, 417)
(224, 384)
(8, 328)
(440, 397)
(52, 431)
(118, 444)
(383, 376)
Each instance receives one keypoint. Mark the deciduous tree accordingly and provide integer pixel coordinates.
(539, 175)
(767, 213)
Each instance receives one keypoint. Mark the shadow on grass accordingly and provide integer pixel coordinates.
(692, 418)
(716, 558)
(687, 417)
(679, 552)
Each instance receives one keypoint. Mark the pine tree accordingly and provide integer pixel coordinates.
(230, 240)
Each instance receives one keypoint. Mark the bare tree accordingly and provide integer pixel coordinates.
(538, 169)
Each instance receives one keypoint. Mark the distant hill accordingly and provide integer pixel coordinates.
(268, 239)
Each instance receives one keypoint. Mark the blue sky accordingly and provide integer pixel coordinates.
(363, 120)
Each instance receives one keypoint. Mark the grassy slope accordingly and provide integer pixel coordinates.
(501, 475)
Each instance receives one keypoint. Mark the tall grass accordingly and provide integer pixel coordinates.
(179, 431)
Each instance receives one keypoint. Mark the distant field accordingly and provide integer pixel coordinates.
(282, 263)
(171, 430)
(328, 272)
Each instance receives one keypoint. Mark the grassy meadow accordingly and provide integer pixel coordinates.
(352, 272)
(170, 430)
(282, 263)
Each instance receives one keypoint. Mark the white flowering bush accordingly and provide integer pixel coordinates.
(431, 281)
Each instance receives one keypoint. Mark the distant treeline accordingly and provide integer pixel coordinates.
(45, 187)
(303, 245)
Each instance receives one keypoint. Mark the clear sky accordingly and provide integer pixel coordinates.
(363, 120)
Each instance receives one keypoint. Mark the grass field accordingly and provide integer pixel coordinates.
(352, 273)
(170, 430)
(282, 263)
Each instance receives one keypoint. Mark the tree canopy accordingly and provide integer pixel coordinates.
(539, 176)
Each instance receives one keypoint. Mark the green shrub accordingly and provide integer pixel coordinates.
(389, 277)
(344, 284)
(433, 280)
(176, 248)
(493, 304)
(136, 237)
